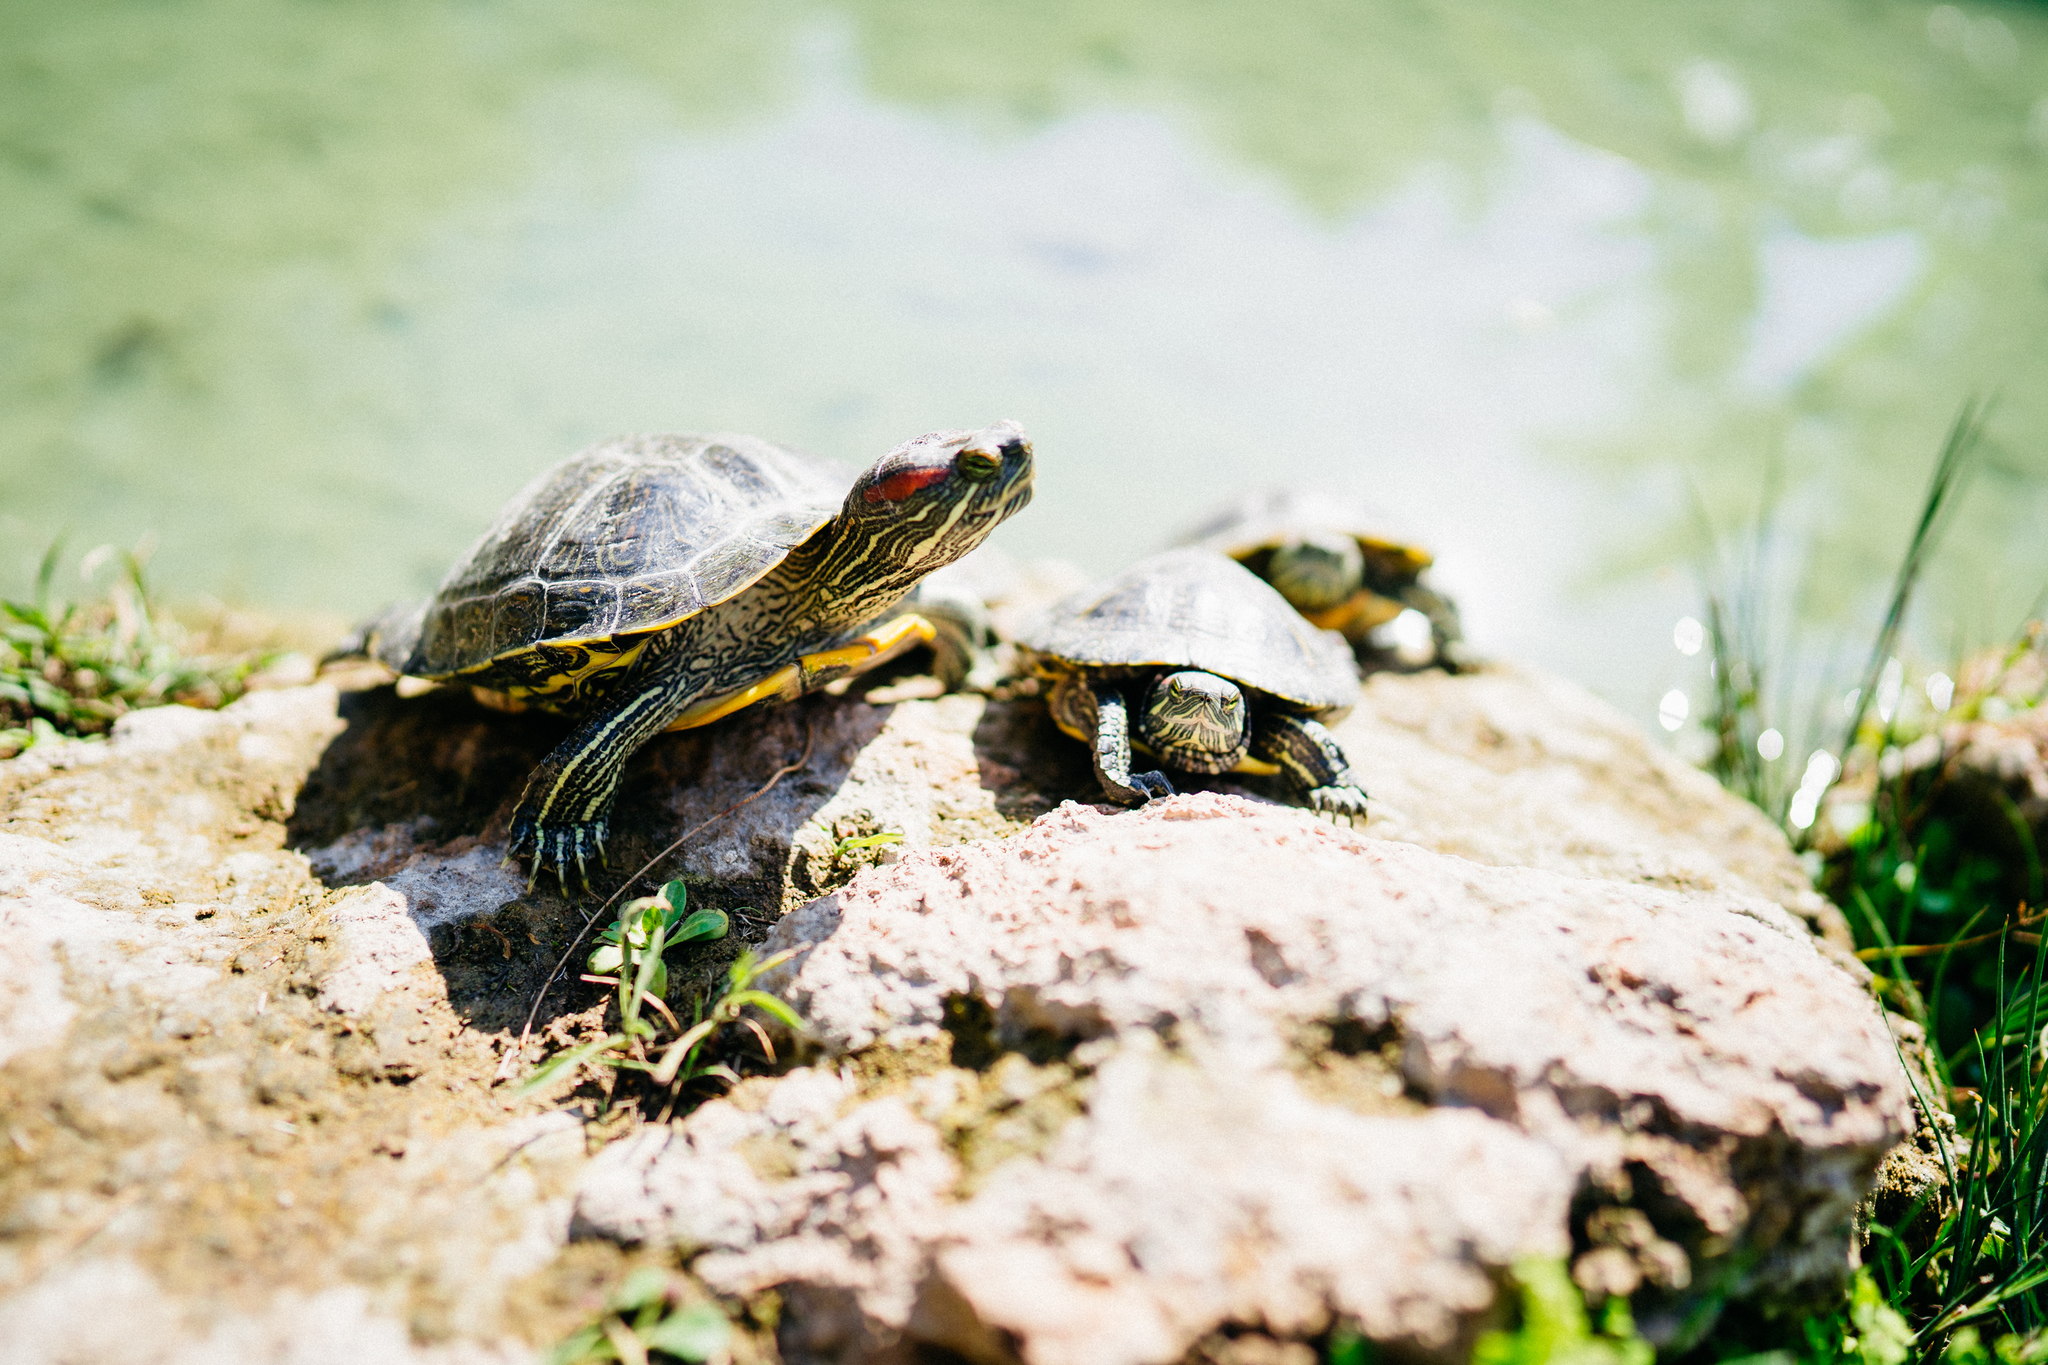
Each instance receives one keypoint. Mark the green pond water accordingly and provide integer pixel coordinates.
(304, 290)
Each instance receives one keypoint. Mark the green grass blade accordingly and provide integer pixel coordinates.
(767, 1004)
(555, 1066)
(1951, 467)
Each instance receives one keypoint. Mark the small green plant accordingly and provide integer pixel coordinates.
(846, 846)
(647, 929)
(644, 1319)
(1347, 1346)
(1967, 1347)
(73, 669)
(1556, 1328)
(629, 958)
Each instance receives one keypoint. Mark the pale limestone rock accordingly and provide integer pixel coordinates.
(1516, 768)
(112, 1309)
(174, 1102)
(1202, 1159)
(910, 769)
(1567, 1031)
(380, 944)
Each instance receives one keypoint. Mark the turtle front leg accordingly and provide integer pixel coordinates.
(1312, 759)
(1113, 752)
(1447, 636)
(564, 814)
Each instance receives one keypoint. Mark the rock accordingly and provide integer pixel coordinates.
(263, 969)
(1986, 778)
(1550, 1047)
(209, 1144)
(1513, 768)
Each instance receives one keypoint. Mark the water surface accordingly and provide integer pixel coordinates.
(305, 290)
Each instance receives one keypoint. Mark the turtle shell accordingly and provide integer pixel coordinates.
(1251, 528)
(1194, 608)
(633, 534)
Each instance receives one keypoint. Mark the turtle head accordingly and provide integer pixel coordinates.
(1195, 721)
(1316, 570)
(928, 502)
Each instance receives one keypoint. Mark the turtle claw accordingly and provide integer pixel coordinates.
(1154, 785)
(557, 845)
(1138, 789)
(1345, 804)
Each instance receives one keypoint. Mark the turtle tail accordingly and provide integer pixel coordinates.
(389, 638)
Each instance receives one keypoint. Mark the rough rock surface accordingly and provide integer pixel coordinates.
(1536, 1048)
(263, 967)
(1518, 769)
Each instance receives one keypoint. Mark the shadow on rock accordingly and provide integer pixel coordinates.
(1027, 763)
(417, 794)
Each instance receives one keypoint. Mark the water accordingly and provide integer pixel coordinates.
(306, 290)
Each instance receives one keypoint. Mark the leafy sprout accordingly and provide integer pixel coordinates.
(629, 957)
(1556, 1328)
(644, 1317)
(642, 922)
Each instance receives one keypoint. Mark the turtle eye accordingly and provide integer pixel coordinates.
(901, 485)
(979, 465)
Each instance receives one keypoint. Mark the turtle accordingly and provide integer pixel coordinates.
(660, 582)
(1325, 557)
(1190, 658)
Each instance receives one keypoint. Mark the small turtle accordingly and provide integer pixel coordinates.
(657, 583)
(1189, 658)
(1342, 577)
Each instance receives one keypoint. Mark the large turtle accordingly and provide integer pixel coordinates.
(654, 583)
(1336, 566)
(1191, 659)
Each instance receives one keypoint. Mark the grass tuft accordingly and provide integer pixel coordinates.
(1924, 843)
(71, 669)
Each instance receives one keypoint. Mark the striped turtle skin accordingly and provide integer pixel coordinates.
(661, 582)
(1189, 657)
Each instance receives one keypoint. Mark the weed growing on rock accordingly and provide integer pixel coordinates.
(1556, 1328)
(1984, 1261)
(846, 846)
(74, 668)
(629, 958)
(645, 1319)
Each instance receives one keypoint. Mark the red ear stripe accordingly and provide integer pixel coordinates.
(897, 487)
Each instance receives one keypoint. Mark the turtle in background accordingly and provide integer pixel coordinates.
(661, 582)
(1189, 659)
(1320, 554)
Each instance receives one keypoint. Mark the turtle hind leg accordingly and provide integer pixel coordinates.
(1312, 760)
(1113, 752)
